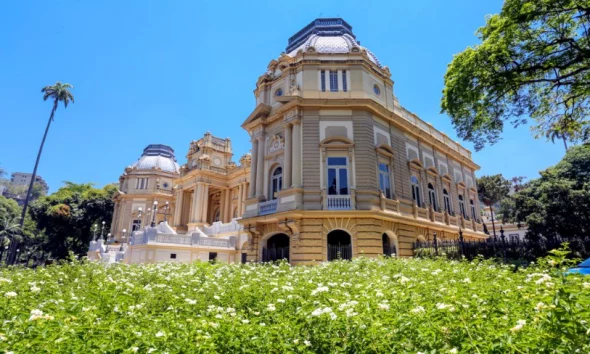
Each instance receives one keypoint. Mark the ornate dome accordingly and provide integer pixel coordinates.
(329, 36)
(157, 157)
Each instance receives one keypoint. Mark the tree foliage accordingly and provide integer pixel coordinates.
(557, 203)
(533, 61)
(492, 189)
(68, 215)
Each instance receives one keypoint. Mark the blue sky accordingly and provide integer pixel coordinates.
(168, 71)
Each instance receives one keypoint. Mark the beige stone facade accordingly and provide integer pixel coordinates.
(338, 168)
(352, 162)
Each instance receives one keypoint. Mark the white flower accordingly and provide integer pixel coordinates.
(271, 307)
(441, 306)
(262, 324)
(191, 301)
(216, 297)
(516, 328)
(384, 307)
(521, 322)
(245, 321)
(307, 343)
(10, 294)
(320, 289)
(404, 280)
(4, 280)
(296, 341)
(35, 289)
(134, 349)
(453, 351)
(586, 285)
(418, 309)
(151, 350)
(540, 306)
(281, 301)
(160, 334)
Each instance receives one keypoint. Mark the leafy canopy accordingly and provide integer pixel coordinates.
(67, 216)
(533, 61)
(557, 203)
(492, 189)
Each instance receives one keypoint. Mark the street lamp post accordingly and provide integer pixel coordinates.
(166, 208)
(123, 237)
(140, 216)
(102, 229)
(155, 211)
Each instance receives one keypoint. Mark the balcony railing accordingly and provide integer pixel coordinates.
(223, 228)
(339, 202)
(196, 239)
(269, 207)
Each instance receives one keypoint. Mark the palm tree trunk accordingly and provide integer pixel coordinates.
(22, 217)
(565, 143)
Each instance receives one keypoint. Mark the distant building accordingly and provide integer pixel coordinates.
(19, 184)
(21, 179)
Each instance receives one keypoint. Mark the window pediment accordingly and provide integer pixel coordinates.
(384, 150)
(432, 170)
(416, 164)
(337, 141)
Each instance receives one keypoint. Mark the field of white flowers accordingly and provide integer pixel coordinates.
(360, 306)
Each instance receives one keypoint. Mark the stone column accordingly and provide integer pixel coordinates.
(196, 209)
(287, 157)
(240, 198)
(296, 161)
(227, 205)
(260, 168)
(204, 202)
(222, 205)
(253, 165)
(178, 207)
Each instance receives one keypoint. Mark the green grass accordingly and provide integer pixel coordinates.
(366, 305)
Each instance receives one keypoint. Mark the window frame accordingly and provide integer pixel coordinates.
(337, 175)
(344, 81)
(333, 78)
(416, 197)
(385, 175)
(432, 196)
(279, 179)
(462, 205)
(447, 201)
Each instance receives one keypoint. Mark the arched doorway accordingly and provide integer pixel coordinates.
(339, 245)
(277, 248)
(389, 247)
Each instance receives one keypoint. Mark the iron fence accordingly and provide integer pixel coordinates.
(275, 254)
(509, 250)
(339, 252)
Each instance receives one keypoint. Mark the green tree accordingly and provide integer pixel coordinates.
(558, 203)
(68, 215)
(533, 61)
(58, 93)
(491, 190)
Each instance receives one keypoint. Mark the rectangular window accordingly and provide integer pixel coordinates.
(337, 176)
(344, 82)
(333, 81)
(323, 80)
(212, 256)
(244, 257)
(172, 255)
(384, 180)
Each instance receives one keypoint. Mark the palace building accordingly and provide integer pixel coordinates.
(338, 169)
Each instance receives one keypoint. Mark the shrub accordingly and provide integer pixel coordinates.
(359, 306)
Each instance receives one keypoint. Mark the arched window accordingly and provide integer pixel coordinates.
(472, 204)
(447, 201)
(416, 190)
(432, 196)
(462, 206)
(276, 182)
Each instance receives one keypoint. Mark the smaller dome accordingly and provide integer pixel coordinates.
(157, 157)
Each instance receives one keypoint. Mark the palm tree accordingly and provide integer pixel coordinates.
(554, 132)
(59, 93)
